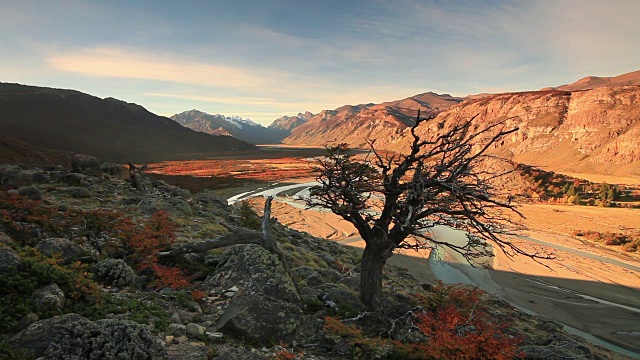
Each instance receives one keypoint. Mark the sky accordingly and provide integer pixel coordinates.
(261, 59)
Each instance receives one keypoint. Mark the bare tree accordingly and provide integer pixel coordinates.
(394, 200)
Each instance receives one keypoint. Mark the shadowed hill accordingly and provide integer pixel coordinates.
(17, 152)
(111, 129)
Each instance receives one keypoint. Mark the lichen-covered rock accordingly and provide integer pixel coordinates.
(195, 330)
(49, 298)
(8, 258)
(118, 171)
(5, 239)
(39, 335)
(550, 352)
(78, 192)
(254, 270)
(105, 339)
(239, 354)
(115, 272)
(68, 249)
(13, 175)
(260, 318)
(31, 191)
(175, 206)
(344, 299)
(85, 164)
(188, 351)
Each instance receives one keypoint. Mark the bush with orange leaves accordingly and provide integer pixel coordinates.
(455, 324)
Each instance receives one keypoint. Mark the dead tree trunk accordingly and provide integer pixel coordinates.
(236, 237)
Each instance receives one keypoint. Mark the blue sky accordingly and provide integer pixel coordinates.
(262, 59)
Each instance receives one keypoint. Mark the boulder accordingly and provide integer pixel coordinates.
(254, 270)
(551, 352)
(344, 298)
(195, 330)
(188, 351)
(77, 192)
(37, 336)
(239, 354)
(68, 249)
(31, 191)
(177, 330)
(118, 171)
(12, 175)
(85, 164)
(174, 206)
(49, 298)
(105, 339)
(260, 318)
(5, 239)
(8, 258)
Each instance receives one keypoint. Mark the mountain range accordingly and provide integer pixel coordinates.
(243, 129)
(111, 129)
(355, 124)
(590, 126)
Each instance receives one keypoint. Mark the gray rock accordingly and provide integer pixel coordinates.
(188, 351)
(239, 354)
(27, 320)
(177, 330)
(195, 330)
(105, 339)
(12, 175)
(254, 270)
(37, 336)
(78, 192)
(8, 258)
(68, 249)
(118, 171)
(85, 164)
(344, 299)
(9, 174)
(551, 352)
(174, 206)
(31, 191)
(49, 298)
(72, 179)
(260, 318)
(5, 239)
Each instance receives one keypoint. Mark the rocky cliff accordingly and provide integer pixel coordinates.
(591, 131)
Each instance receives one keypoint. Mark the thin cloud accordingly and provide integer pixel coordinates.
(108, 62)
(214, 99)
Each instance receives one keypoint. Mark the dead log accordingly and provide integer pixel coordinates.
(238, 236)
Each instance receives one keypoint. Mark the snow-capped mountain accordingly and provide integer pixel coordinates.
(243, 129)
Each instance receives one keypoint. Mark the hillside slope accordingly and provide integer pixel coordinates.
(113, 130)
(356, 124)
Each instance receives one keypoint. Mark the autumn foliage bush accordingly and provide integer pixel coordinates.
(455, 324)
(112, 232)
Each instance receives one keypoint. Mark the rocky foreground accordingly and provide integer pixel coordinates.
(90, 270)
